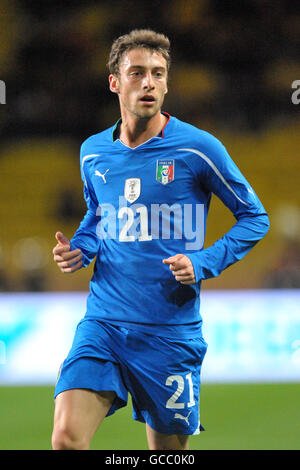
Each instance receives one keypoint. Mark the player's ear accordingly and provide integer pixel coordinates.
(114, 84)
(166, 90)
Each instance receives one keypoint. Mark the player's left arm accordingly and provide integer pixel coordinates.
(222, 177)
(218, 173)
(182, 268)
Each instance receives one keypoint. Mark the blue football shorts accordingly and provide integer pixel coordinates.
(161, 374)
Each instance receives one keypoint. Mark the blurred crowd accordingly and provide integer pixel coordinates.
(233, 64)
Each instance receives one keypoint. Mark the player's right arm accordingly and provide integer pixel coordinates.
(67, 260)
(71, 255)
(85, 237)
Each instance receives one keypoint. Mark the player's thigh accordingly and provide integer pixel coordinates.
(159, 441)
(79, 412)
(164, 381)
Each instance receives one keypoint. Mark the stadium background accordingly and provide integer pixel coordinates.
(233, 68)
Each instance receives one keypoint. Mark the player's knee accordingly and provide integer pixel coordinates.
(163, 446)
(168, 442)
(65, 439)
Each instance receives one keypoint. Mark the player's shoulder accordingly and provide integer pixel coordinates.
(195, 136)
(97, 142)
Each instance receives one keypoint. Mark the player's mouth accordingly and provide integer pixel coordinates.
(148, 100)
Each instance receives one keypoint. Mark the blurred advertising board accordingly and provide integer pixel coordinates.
(252, 336)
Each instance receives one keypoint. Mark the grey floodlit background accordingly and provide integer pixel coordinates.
(233, 65)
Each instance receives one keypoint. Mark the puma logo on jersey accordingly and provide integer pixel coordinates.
(97, 173)
(184, 418)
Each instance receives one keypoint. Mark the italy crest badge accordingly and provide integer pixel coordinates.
(165, 171)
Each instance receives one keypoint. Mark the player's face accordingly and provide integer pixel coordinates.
(142, 82)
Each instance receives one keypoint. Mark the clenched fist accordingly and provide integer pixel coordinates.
(68, 261)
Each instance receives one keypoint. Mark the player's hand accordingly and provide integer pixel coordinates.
(182, 268)
(68, 261)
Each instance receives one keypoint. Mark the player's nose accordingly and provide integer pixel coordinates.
(148, 81)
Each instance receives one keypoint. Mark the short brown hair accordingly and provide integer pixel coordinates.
(138, 38)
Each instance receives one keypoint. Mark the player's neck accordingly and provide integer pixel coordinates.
(135, 131)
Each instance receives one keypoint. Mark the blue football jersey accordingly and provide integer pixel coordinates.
(148, 203)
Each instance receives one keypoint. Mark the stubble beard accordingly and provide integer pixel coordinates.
(146, 113)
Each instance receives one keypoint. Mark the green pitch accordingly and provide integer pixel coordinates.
(248, 416)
